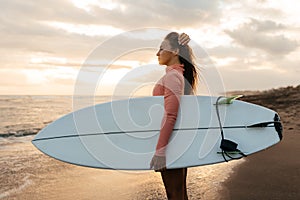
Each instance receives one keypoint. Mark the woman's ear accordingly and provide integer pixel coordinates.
(176, 52)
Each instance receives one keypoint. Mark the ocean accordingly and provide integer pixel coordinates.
(26, 173)
(26, 115)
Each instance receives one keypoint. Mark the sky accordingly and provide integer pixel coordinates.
(108, 47)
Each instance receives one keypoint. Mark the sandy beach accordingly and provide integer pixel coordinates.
(26, 173)
(32, 175)
(273, 173)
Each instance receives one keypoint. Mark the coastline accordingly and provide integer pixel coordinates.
(273, 173)
(26, 173)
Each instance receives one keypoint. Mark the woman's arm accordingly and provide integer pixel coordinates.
(173, 89)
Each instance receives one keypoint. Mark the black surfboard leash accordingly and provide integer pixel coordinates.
(226, 145)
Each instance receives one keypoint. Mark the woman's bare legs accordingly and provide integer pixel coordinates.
(175, 183)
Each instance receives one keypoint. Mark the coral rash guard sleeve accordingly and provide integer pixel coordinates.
(171, 88)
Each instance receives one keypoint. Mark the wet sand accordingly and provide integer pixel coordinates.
(29, 174)
(275, 172)
(26, 173)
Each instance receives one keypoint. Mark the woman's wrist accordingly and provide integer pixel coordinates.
(160, 152)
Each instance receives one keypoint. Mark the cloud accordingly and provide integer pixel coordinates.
(58, 29)
(7, 80)
(266, 25)
(255, 71)
(259, 79)
(166, 13)
(228, 51)
(58, 80)
(56, 10)
(24, 28)
(264, 35)
(130, 15)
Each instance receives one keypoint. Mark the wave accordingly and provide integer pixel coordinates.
(20, 133)
(26, 182)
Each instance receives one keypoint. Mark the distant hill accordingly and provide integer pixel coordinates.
(276, 98)
(285, 101)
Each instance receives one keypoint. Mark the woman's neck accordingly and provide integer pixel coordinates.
(173, 61)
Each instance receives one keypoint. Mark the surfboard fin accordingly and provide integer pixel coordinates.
(262, 124)
(231, 152)
(276, 122)
(229, 100)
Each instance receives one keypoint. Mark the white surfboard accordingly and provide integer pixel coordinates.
(123, 134)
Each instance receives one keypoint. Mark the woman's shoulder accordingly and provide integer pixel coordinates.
(173, 74)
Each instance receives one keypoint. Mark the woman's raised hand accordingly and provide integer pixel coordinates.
(183, 39)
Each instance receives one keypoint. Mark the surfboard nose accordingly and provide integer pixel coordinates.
(278, 126)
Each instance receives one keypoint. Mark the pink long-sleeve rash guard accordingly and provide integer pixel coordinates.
(171, 86)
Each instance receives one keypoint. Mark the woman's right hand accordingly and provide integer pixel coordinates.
(158, 163)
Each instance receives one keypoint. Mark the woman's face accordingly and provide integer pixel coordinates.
(165, 54)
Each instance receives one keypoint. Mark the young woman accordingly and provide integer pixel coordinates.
(180, 79)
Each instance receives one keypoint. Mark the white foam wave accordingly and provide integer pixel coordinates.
(26, 182)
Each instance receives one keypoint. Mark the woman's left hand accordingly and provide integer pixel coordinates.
(183, 39)
(158, 163)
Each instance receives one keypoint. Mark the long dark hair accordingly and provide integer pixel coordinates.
(186, 57)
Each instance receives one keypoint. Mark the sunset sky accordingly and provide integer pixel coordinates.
(49, 46)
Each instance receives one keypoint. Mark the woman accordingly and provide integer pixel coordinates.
(180, 78)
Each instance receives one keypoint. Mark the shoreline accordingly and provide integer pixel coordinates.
(26, 173)
(273, 173)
